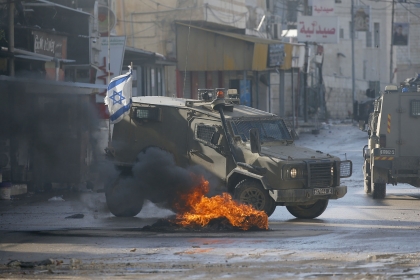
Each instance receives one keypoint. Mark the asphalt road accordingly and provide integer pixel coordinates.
(355, 238)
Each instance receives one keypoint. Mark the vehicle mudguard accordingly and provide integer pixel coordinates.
(246, 173)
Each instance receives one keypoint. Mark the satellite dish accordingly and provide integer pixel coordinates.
(106, 19)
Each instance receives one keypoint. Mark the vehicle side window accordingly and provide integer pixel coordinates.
(206, 134)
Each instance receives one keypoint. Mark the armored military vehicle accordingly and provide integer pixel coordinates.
(392, 154)
(251, 152)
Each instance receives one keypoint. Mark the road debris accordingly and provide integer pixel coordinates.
(75, 216)
(56, 198)
(18, 263)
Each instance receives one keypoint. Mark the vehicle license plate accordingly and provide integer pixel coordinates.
(387, 152)
(323, 191)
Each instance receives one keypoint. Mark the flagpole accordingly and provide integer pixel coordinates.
(131, 70)
(109, 70)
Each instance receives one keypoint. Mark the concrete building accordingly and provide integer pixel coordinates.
(373, 55)
(215, 43)
(407, 56)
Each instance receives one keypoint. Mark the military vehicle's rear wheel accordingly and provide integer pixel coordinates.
(123, 197)
(308, 211)
(378, 190)
(251, 192)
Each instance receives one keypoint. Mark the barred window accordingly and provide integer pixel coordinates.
(204, 132)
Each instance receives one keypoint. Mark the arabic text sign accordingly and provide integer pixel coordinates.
(275, 55)
(318, 29)
(323, 7)
(50, 44)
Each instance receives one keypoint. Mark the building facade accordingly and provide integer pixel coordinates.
(214, 43)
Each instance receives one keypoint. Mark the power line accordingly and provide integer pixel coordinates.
(409, 11)
(227, 22)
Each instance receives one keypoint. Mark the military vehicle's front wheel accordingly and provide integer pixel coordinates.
(251, 192)
(367, 181)
(366, 186)
(123, 197)
(378, 190)
(308, 211)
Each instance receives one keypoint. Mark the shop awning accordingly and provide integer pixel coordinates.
(141, 57)
(201, 49)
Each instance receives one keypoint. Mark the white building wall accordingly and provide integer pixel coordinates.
(408, 57)
(371, 62)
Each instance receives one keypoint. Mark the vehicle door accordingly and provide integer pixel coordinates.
(409, 135)
(207, 147)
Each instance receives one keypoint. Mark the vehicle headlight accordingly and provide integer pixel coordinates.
(293, 173)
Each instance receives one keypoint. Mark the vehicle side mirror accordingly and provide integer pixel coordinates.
(254, 137)
(215, 138)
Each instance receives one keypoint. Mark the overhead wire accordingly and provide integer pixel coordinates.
(416, 15)
(227, 22)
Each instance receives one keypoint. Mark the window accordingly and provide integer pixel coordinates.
(374, 85)
(415, 108)
(376, 38)
(364, 69)
(207, 134)
(341, 33)
(368, 39)
(272, 129)
(292, 8)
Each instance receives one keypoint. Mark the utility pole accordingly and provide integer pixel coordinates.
(305, 74)
(391, 74)
(353, 74)
(12, 38)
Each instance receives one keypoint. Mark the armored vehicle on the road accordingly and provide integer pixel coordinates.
(250, 152)
(393, 152)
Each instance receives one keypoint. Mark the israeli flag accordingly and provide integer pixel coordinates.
(118, 97)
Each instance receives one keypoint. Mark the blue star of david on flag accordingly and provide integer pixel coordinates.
(118, 97)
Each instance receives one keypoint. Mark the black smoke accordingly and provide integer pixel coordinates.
(159, 178)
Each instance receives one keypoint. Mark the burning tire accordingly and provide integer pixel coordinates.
(251, 192)
(308, 211)
(123, 197)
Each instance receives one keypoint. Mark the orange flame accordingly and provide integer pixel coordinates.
(195, 209)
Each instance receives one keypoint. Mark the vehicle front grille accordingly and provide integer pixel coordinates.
(320, 174)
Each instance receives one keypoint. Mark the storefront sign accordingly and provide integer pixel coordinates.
(323, 7)
(318, 29)
(275, 55)
(50, 45)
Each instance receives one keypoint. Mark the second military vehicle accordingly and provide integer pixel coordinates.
(251, 152)
(393, 153)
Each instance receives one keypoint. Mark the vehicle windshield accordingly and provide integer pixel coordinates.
(271, 129)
